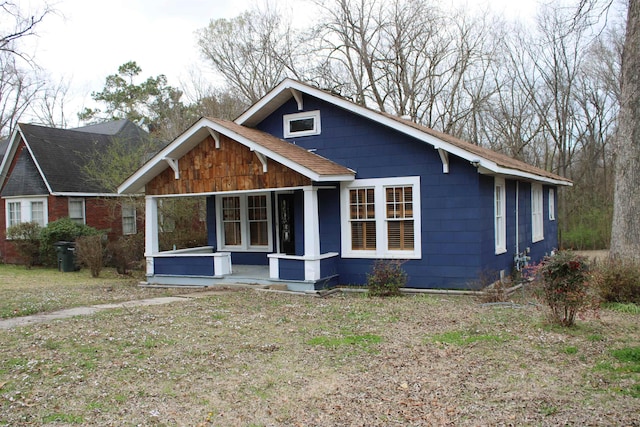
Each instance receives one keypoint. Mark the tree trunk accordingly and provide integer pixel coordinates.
(625, 230)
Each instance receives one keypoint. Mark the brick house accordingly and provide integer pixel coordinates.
(42, 179)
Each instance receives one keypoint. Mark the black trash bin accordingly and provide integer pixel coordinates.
(66, 254)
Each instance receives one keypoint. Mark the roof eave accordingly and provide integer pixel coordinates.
(489, 168)
(283, 92)
(193, 136)
(11, 153)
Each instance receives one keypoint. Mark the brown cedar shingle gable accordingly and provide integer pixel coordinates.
(318, 164)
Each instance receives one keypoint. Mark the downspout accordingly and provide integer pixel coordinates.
(517, 218)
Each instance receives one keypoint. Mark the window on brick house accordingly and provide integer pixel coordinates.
(25, 210)
(128, 219)
(76, 211)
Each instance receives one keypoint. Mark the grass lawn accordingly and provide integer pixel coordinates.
(39, 290)
(252, 358)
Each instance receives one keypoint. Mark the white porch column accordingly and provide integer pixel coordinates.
(150, 231)
(311, 234)
(311, 223)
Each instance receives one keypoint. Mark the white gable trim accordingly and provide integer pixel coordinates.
(194, 136)
(282, 93)
(11, 153)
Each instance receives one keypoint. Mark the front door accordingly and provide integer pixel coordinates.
(285, 218)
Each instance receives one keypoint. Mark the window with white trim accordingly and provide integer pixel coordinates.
(15, 213)
(537, 221)
(380, 218)
(37, 212)
(552, 204)
(76, 211)
(301, 124)
(400, 230)
(500, 223)
(244, 222)
(362, 218)
(30, 209)
(129, 218)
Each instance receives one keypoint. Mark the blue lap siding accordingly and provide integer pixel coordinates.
(451, 204)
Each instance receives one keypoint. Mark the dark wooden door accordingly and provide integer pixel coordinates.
(285, 218)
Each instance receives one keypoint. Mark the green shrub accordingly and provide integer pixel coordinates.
(61, 230)
(617, 281)
(90, 251)
(563, 286)
(26, 239)
(386, 278)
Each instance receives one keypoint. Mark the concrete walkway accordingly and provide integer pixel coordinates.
(83, 311)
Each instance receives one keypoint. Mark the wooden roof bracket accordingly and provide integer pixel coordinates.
(298, 97)
(216, 136)
(263, 160)
(173, 163)
(444, 157)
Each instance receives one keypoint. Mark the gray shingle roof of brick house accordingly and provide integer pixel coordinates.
(58, 157)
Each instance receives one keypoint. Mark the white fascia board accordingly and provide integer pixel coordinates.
(188, 140)
(284, 86)
(275, 156)
(527, 176)
(35, 161)
(437, 143)
(137, 181)
(72, 194)
(30, 196)
(11, 153)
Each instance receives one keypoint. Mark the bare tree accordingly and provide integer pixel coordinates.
(19, 84)
(253, 51)
(625, 230)
(48, 107)
(17, 89)
(17, 24)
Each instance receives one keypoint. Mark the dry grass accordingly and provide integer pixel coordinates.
(24, 292)
(249, 358)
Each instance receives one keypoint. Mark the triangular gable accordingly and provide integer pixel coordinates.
(59, 155)
(25, 179)
(223, 165)
(17, 145)
(266, 148)
(487, 161)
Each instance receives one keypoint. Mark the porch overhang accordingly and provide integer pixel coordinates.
(310, 165)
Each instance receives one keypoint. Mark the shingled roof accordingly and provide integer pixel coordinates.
(294, 157)
(488, 161)
(485, 153)
(294, 153)
(3, 148)
(58, 157)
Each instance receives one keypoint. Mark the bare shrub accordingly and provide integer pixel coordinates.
(26, 239)
(125, 252)
(386, 278)
(90, 252)
(617, 281)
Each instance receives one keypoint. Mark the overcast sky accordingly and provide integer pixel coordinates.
(88, 40)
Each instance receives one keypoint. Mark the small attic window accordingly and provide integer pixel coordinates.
(301, 124)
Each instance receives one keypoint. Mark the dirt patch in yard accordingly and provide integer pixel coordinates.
(273, 359)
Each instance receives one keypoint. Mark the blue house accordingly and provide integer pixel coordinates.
(309, 189)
